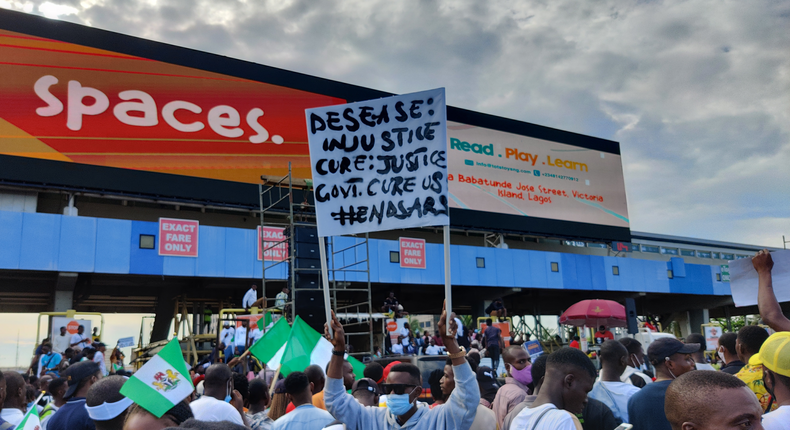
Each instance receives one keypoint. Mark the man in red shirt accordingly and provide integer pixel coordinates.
(602, 334)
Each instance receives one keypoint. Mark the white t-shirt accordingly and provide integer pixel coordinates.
(255, 334)
(99, 359)
(554, 419)
(241, 336)
(626, 376)
(12, 415)
(227, 335)
(705, 366)
(615, 395)
(460, 331)
(208, 408)
(84, 341)
(60, 343)
(397, 348)
(433, 350)
(249, 298)
(778, 419)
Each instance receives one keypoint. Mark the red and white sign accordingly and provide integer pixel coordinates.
(270, 238)
(412, 253)
(178, 237)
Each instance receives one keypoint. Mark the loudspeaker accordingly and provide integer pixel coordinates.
(307, 280)
(310, 308)
(304, 234)
(630, 316)
(306, 250)
(307, 263)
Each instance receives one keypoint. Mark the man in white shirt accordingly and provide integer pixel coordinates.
(240, 338)
(433, 349)
(636, 360)
(250, 297)
(79, 340)
(569, 377)
(14, 402)
(255, 334)
(226, 335)
(609, 389)
(99, 358)
(219, 402)
(397, 348)
(61, 341)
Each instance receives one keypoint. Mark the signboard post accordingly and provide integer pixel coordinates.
(178, 237)
(380, 165)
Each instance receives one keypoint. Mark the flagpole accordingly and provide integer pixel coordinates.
(274, 380)
(448, 289)
(325, 282)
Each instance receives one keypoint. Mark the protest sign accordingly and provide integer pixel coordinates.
(272, 245)
(712, 334)
(125, 342)
(743, 279)
(380, 164)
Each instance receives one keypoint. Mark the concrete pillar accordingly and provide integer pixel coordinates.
(165, 308)
(64, 291)
(697, 318)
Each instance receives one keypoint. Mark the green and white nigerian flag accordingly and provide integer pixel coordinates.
(270, 347)
(305, 347)
(265, 323)
(31, 420)
(161, 383)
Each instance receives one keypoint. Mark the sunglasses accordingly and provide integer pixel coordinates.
(396, 388)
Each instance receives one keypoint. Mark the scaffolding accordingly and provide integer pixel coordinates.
(348, 258)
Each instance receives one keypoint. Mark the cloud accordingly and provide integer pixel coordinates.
(696, 92)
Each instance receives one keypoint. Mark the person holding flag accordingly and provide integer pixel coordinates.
(403, 386)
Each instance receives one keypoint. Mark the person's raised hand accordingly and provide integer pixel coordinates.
(339, 340)
(442, 325)
(237, 401)
(762, 262)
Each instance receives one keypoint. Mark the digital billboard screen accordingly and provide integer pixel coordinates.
(78, 103)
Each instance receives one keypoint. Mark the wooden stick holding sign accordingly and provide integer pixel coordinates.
(325, 284)
(380, 165)
(448, 288)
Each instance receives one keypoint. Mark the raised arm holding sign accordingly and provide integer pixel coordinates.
(380, 165)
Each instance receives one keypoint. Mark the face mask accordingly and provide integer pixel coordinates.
(399, 404)
(635, 363)
(524, 375)
(721, 356)
(228, 396)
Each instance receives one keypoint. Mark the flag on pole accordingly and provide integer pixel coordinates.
(161, 383)
(31, 420)
(265, 323)
(305, 347)
(270, 347)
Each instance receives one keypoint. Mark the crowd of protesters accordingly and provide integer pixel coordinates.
(669, 386)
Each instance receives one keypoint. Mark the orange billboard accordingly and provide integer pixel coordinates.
(68, 102)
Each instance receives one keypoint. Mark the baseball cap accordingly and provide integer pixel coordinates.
(279, 387)
(365, 384)
(665, 347)
(775, 354)
(76, 373)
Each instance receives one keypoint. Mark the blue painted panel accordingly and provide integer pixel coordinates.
(521, 269)
(598, 269)
(10, 239)
(40, 241)
(456, 263)
(434, 259)
(241, 253)
(506, 272)
(77, 244)
(583, 272)
(678, 267)
(553, 279)
(539, 268)
(112, 245)
(211, 252)
(467, 264)
(179, 266)
(568, 272)
(144, 261)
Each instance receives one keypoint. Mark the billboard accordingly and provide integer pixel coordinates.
(506, 173)
(87, 109)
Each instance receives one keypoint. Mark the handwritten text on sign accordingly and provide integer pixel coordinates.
(380, 164)
(178, 237)
(274, 249)
(412, 253)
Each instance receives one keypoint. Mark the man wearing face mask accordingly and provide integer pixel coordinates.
(519, 370)
(727, 354)
(671, 358)
(774, 357)
(609, 389)
(634, 373)
(403, 386)
(220, 402)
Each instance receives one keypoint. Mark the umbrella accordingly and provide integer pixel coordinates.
(595, 313)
